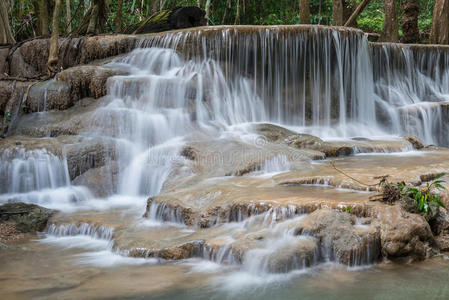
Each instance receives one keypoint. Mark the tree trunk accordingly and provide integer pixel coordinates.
(409, 21)
(94, 20)
(228, 7)
(208, 12)
(304, 12)
(337, 13)
(118, 19)
(237, 13)
(6, 36)
(440, 23)
(68, 16)
(390, 28)
(44, 18)
(351, 20)
(37, 14)
(52, 63)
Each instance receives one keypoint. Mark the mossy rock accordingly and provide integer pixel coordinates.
(28, 217)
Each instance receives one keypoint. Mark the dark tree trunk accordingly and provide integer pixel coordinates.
(304, 11)
(390, 28)
(6, 36)
(44, 17)
(409, 21)
(118, 19)
(94, 20)
(68, 16)
(440, 23)
(337, 13)
(52, 63)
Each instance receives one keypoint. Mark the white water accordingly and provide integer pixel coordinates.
(40, 177)
(328, 83)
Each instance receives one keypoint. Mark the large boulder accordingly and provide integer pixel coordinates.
(340, 239)
(29, 218)
(404, 234)
(30, 59)
(176, 18)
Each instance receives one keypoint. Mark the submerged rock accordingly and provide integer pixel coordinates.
(29, 218)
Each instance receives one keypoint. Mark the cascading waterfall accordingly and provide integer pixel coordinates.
(329, 82)
(165, 99)
(411, 82)
(325, 81)
(38, 176)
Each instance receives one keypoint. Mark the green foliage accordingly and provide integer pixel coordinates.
(348, 209)
(24, 21)
(395, 191)
(425, 196)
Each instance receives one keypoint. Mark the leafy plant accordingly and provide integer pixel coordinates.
(394, 191)
(348, 209)
(425, 196)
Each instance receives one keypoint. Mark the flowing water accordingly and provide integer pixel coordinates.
(208, 85)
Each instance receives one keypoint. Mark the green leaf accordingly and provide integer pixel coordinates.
(439, 175)
(421, 204)
(439, 186)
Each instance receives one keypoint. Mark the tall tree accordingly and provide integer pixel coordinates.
(237, 13)
(208, 11)
(52, 63)
(390, 28)
(68, 16)
(439, 33)
(94, 20)
(304, 11)
(6, 36)
(118, 19)
(337, 13)
(44, 17)
(409, 21)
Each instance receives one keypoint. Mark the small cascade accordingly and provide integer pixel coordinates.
(410, 85)
(25, 171)
(277, 164)
(40, 177)
(276, 246)
(96, 232)
(163, 212)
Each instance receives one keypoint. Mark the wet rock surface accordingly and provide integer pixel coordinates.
(81, 153)
(341, 239)
(28, 218)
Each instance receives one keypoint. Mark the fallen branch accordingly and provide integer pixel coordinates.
(357, 12)
(383, 178)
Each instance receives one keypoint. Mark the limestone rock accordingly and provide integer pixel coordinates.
(416, 143)
(101, 181)
(30, 59)
(403, 234)
(340, 239)
(29, 217)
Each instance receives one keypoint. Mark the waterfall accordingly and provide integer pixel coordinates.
(329, 82)
(38, 176)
